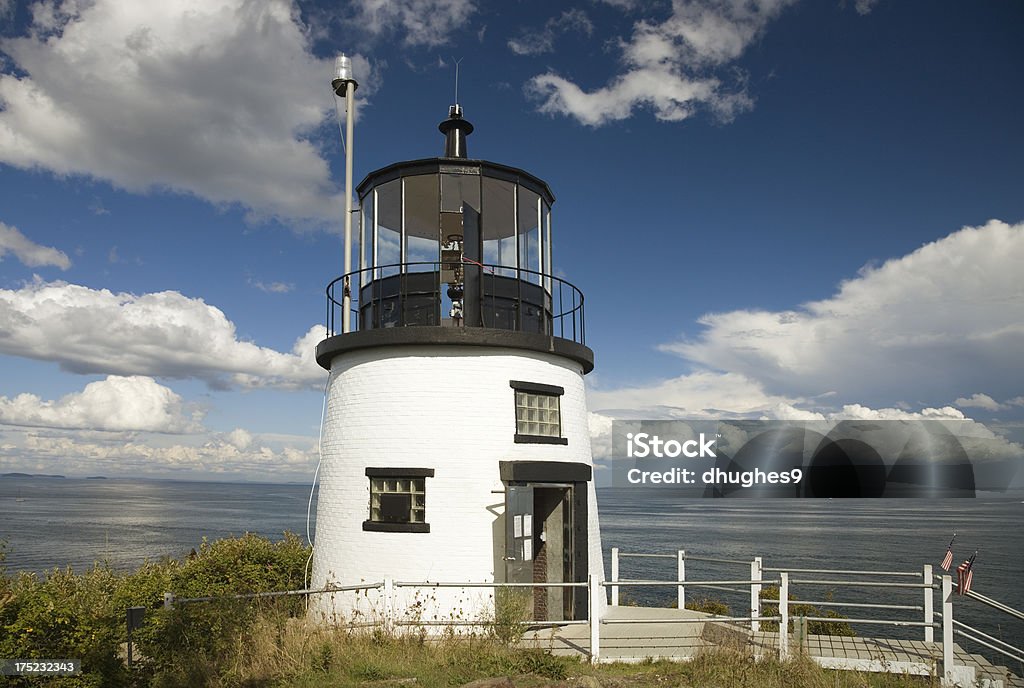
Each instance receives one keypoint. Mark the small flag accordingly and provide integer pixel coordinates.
(965, 575)
(947, 560)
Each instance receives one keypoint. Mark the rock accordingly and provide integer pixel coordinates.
(503, 682)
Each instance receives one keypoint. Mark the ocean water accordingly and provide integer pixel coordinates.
(48, 522)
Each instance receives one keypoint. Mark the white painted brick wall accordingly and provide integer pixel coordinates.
(451, 409)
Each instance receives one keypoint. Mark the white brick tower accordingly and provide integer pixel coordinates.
(455, 445)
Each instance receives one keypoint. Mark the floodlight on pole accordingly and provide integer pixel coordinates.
(343, 84)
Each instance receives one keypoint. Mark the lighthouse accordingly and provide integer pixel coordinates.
(455, 445)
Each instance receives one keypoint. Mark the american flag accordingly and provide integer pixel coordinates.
(965, 575)
(947, 560)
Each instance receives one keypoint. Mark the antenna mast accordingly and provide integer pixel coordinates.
(457, 62)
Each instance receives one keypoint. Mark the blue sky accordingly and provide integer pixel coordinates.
(775, 209)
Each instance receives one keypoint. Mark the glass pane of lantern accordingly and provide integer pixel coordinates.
(421, 222)
(546, 241)
(499, 227)
(529, 234)
(366, 237)
(457, 189)
(389, 227)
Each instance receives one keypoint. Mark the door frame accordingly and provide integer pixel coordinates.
(527, 474)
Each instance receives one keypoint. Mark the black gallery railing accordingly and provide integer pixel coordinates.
(419, 294)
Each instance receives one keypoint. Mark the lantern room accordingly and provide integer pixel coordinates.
(454, 242)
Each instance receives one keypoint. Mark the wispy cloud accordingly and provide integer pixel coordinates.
(539, 41)
(97, 207)
(982, 401)
(273, 287)
(28, 252)
(417, 22)
(669, 66)
(864, 6)
(238, 453)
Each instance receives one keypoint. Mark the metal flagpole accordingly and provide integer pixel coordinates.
(345, 85)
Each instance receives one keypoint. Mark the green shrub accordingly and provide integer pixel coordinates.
(837, 627)
(709, 605)
(513, 608)
(62, 614)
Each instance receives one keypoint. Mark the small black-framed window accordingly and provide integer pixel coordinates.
(538, 413)
(398, 500)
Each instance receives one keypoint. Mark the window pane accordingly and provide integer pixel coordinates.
(421, 221)
(398, 500)
(366, 237)
(499, 224)
(538, 414)
(529, 233)
(389, 226)
(457, 189)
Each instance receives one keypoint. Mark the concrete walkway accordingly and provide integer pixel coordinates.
(633, 634)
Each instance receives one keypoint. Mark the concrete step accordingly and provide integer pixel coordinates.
(1010, 679)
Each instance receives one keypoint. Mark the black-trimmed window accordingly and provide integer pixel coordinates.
(398, 500)
(538, 413)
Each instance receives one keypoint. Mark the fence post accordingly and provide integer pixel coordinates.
(593, 590)
(784, 616)
(389, 603)
(681, 577)
(947, 630)
(755, 594)
(615, 576)
(168, 600)
(929, 602)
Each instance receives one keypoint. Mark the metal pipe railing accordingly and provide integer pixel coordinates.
(995, 604)
(829, 603)
(696, 619)
(782, 605)
(539, 584)
(865, 584)
(884, 622)
(847, 572)
(649, 583)
(565, 317)
(170, 599)
(1007, 652)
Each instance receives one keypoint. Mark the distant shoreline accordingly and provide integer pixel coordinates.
(30, 475)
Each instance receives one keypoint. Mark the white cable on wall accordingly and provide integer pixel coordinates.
(312, 489)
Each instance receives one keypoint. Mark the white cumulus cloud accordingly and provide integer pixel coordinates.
(28, 252)
(164, 334)
(860, 412)
(668, 66)
(919, 328)
(116, 404)
(697, 395)
(213, 98)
